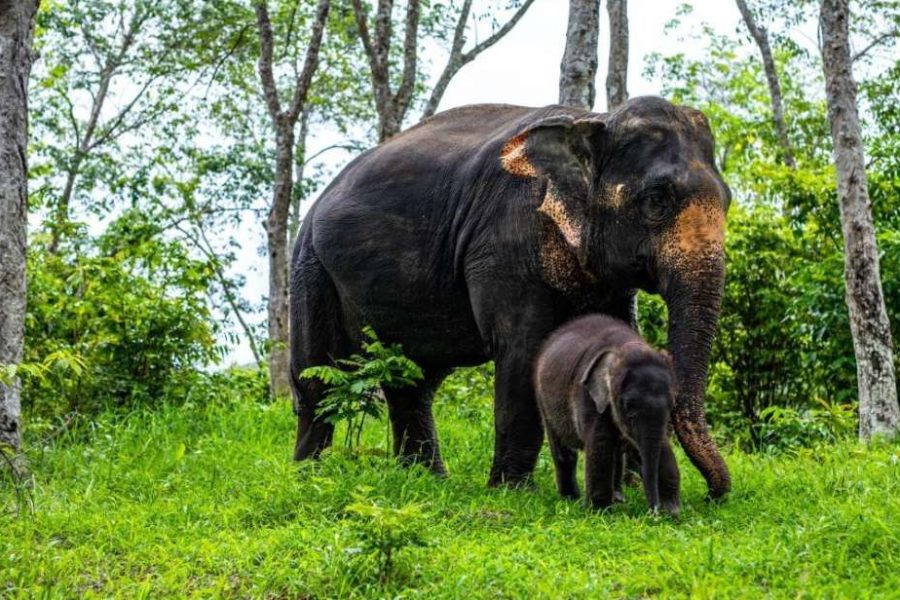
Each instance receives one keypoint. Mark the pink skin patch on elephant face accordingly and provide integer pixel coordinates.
(553, 207)
(697, 118)
(513, 158)
(698, 232)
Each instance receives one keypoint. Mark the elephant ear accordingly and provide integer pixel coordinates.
(560, 150)
(697, 118)
(560, 147)
(599, 380)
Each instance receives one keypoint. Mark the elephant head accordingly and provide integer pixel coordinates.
(633, 199)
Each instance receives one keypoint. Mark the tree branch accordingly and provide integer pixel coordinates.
(498, 35)
(454, 63)
(874, 43)
(311, 62)
(226, 56)
(458, 59)
(410, 57)
(383, 25)
(108, 131)
(378, 51)
(202, 243)
(363, 31)
(264, 65)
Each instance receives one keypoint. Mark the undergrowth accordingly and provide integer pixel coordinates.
(204, 501)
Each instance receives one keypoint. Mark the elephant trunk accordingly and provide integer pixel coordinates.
(650, 446)
(694, 297)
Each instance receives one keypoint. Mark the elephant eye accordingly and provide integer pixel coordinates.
(658, 202)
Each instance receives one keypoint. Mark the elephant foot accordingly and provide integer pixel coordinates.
(432, 463)
(601, 504)
(673, 509)
(516, 481)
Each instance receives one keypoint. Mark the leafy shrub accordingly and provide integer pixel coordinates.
(383, 531)
(116, 320)
(784, 428)
(355, 383)
(469, 390)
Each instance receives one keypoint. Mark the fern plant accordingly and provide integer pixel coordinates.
(354, 384)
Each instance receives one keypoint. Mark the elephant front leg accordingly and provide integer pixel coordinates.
(669, 481)
(601, 452)
(518, 431)
(619, 476)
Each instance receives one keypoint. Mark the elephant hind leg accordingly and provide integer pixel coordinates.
(317, 338)
(412, 422)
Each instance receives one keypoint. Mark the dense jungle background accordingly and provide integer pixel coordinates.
(174, 148)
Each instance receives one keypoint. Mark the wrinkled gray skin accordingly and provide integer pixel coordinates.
(601, 388)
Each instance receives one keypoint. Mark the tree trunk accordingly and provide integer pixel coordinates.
(284, 122)
(277, 245)
(578, 69)
(761, 37)
(299, 175)
(617, 77)
(878, 409)
(16, 31)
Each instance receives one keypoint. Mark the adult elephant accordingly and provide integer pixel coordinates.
(476, 233)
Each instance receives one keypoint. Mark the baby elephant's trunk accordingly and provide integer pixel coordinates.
(650, 443)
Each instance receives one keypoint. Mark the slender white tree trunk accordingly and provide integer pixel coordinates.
(578, 69)
(617, 74)
(878, 409)
(284, 120)
(278, 245)
(16, 30)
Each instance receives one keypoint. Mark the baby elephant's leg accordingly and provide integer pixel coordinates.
(618, 475)
(565, 460)
(669, 481)
(601, 450)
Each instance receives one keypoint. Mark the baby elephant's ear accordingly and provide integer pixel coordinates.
(598, 380)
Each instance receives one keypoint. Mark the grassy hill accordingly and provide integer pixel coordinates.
(204, 501)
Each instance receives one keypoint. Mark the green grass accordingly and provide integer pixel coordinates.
(204, 501)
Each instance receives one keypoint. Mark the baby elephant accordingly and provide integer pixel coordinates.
(600, 386)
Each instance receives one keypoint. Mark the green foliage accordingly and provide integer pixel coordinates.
(469, 390)
(117, 320)
(355, 383)
(384, 531)
(204, 502)
(784, 428)
(783, 363)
